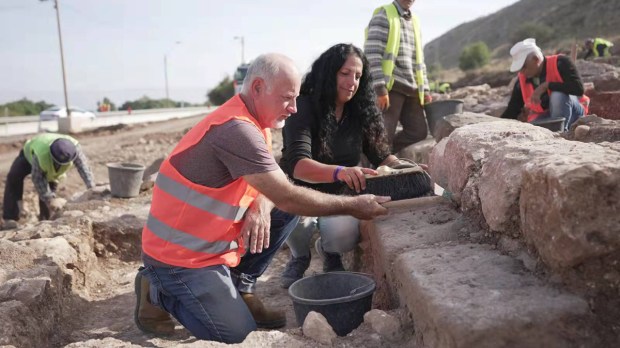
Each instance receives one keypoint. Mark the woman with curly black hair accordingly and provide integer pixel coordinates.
(336, 121)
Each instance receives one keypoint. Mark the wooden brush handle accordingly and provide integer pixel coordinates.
(413, 202)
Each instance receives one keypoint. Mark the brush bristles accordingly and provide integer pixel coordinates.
(397, 186)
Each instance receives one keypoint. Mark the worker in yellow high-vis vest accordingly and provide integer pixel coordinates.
(597, 48)
(46, 157)
(394, 50)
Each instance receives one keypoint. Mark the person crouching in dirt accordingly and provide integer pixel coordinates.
(215, 195)
(548, 87)
(597, 47)
(47, 157)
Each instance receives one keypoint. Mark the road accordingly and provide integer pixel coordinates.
(32, 125)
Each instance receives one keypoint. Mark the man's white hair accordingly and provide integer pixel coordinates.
(537, 53)
(266, 66)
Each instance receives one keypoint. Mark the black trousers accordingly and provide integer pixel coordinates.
(14, 190)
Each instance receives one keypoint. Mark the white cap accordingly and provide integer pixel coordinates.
(520, 51)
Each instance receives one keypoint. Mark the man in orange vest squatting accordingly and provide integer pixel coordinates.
(213, 200)
(548, 88)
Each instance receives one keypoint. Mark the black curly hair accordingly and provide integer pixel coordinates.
(319, 85)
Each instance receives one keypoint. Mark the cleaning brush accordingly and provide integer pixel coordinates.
(399, 184)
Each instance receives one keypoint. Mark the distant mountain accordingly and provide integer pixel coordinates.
(562, 21)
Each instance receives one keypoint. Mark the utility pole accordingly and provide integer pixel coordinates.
(62, 58)
(166, 75)
(242, 48)
(166, 68)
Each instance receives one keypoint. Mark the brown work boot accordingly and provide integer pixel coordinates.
(264, 318)
(149, 318)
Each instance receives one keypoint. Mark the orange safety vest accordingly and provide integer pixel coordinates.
(191, 225)
(553, 75)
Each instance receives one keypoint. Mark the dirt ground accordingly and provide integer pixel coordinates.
(105, 318)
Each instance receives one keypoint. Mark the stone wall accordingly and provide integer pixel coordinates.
(561, 198)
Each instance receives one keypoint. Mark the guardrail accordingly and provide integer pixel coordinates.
(35, 118)
(34, 125)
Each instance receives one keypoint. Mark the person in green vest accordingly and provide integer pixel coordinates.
(47, 157)
(597, 48)
(394, 50)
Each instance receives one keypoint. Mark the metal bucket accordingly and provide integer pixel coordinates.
(435, 111)
(125, 179)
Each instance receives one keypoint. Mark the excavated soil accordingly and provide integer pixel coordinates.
(100, 314)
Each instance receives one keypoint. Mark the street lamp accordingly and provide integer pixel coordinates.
(166, 67)
(62, 58)
(242, 47)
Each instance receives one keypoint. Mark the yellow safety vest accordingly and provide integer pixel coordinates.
(40, 146)
(393, 44)
(599, 41)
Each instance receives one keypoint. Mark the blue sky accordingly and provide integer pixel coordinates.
(116, 48)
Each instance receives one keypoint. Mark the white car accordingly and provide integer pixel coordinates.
(57, 112)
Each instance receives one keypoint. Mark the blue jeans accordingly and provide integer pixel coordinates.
(207, 300)
(562, 105)
(339, 234)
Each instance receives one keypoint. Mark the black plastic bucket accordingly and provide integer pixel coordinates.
(435, 111)
(341, 297)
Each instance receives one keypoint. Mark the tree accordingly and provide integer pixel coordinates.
(222, 92)
(109, 102)
(540, 32)
(475, 55)
(148, 103)
(24, 107)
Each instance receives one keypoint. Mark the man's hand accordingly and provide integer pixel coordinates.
(524, 114)
(428, 98)
(538, 92)
(383, 102)
(367, 207)
(257, 224)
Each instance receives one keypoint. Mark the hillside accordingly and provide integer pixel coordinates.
(567, 20)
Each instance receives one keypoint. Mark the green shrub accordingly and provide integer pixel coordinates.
(222, 92)
(24, 107)
(540, 32)
(475, 55)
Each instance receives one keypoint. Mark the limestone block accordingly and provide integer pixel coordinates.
(383, 323)
(316, 327)
(15, 257)
(25, 290)
(57, 249)
(418, 152)
(499, 187)
(448, 124)
(593, 129)
(570, 203)
(470, 295)
(605, 104)
(459, 157)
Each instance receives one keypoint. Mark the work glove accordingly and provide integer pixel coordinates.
(383, 102)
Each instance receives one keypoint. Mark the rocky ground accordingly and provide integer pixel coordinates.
(101, 314)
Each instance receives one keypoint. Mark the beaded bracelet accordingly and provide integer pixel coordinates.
(336, 171)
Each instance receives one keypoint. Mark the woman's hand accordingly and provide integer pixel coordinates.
(354, 177)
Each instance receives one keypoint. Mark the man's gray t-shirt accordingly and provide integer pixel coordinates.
(226, 152)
